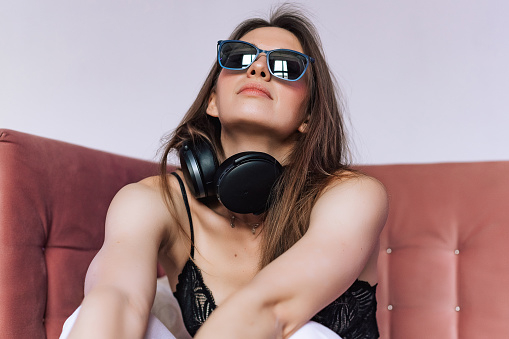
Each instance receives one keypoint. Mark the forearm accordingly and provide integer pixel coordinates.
(108, 313)
(244, 315)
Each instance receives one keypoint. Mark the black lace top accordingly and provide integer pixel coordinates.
(351, 316)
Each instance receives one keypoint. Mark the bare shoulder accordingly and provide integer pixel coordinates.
(356, 183)
(141, 204)
(356, 197)
(137, 196)
(147, 191)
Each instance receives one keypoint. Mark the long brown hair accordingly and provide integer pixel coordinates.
(322, 151)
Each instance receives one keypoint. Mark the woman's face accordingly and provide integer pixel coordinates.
(254, 101)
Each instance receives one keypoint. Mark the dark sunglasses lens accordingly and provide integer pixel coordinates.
(287, 64)
(236, 55)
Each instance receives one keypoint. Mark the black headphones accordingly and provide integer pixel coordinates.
(242, 183)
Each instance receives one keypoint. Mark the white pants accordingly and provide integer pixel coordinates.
(157, 330)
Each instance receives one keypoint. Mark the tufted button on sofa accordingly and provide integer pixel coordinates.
(443, 265)
(444, 257)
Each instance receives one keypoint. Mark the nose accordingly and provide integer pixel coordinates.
(259, 68)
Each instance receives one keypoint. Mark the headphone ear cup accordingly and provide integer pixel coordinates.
(199, 165)
(244, 182)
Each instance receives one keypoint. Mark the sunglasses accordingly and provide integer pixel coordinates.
(284, 64)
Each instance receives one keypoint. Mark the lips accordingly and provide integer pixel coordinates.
(255, 89)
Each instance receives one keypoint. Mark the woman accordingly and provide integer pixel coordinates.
(310, 250)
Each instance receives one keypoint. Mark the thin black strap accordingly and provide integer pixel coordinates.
(184, 195)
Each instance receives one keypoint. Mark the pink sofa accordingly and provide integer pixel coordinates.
(443, 261)
(444, 256)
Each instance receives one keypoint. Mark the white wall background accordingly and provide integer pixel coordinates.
(425, 81)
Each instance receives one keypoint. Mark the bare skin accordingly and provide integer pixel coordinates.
(340, 246)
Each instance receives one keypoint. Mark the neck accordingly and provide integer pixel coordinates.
(279, 149)
(252, 224)
(246, 219)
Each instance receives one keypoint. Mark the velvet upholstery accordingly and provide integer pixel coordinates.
(442, 268)
(53, 202)
(443, 264)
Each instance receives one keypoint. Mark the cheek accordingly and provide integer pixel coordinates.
(226, 80)
(221, 88)
(297, 97)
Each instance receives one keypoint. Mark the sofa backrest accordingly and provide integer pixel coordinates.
(53, 202)
(444, 257)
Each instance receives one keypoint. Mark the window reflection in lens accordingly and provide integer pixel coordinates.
(280, 69)
(247, 59)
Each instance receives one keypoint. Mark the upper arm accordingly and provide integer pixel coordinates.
(134, 231)
(345, 225)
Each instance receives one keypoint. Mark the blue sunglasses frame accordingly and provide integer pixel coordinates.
(220, 44)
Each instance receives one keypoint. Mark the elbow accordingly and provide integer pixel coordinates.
(283, 311)
(109, 312)
(274, 310)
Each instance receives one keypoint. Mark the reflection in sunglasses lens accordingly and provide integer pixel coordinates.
(283, 64)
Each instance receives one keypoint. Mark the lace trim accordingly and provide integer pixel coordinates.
(352, 315)
(195, 299)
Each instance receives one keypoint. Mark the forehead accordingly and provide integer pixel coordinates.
(269, 38)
